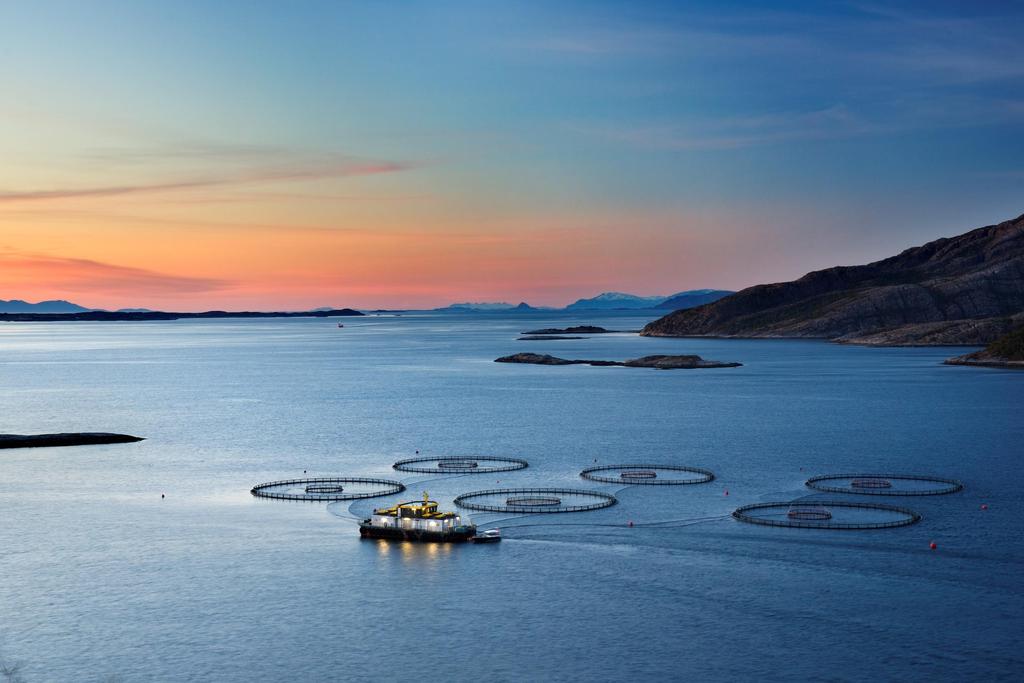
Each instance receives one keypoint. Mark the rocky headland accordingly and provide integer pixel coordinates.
(64, 439)
(546, 337)
(660, 362)
(1005, 352)
(962, 290)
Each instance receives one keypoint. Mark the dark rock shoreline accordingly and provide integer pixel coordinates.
(660, 362)
(64, 439)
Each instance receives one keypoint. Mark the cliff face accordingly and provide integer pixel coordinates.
(960, 290)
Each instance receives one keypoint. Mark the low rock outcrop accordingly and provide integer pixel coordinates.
(660, 362)
(579, 329)
(64, 439)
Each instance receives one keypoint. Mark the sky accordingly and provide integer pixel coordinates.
(193, 155)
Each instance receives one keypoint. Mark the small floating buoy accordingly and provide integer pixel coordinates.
(933, 545)
(984, 506)
(727, 492)
(417, 452)
(303, 471)
(161, 495)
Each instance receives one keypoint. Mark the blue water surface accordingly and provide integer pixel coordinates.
(104, 579)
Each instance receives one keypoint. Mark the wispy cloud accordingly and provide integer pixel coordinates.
(736, 132)
(652, 42)
(840, 121)
(339, 168)
(71, 275)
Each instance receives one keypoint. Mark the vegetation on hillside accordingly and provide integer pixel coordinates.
(1009, 346)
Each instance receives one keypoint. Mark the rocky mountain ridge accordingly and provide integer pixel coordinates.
(961, 290)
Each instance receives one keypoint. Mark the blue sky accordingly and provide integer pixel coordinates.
(495, 150)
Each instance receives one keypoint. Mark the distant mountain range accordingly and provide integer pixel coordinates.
(607, 301)
(469, 307)
(55, 306)
(610, 301)
(964, 290)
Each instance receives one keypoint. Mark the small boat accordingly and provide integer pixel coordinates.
(489, 536)
(417, 521)
(340, 325)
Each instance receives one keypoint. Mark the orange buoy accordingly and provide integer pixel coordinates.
(933, 545)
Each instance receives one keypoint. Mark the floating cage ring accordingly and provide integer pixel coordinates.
(327, 488)
(814, 512)
(535, 500)
(638, 474)
(871, 483)
(324, 488)
(821, 515)
(883, 484)
(458, 464)
(647, 474)
(465, 464)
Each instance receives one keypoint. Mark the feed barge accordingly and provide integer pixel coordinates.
(417, 521)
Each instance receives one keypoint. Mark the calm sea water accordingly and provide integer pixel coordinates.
(101, 578)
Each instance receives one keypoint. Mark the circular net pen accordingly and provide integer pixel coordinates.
(460, 465)
(829, 514)
(532, 501)
(884, 484)
(664, 475)
(327, 488)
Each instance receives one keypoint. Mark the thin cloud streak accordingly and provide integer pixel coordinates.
(737, 132)
(85, 275)
(831, 123)
(341, 169)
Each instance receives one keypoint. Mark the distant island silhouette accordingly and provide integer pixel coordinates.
(164, 315)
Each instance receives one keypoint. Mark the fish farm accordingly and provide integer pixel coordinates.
(832, 514)
(535, 500)
(460, 464)
(803, 513)
(327, 489)
(665, 475)
(884, 484)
